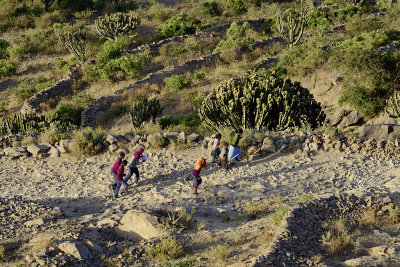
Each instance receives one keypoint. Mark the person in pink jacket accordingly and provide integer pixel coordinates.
(114, 170)
(120, 179)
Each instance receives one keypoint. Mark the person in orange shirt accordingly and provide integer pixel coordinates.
(200, 164)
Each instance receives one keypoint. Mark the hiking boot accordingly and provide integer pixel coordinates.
(111, 188)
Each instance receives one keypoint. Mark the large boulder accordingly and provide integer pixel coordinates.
(353, 118)
(380, 131)
(194, 138)
(171, 135)
(37, 149)
(137, 225)
(182, 137)
(76, 249)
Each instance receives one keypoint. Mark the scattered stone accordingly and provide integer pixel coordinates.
(34, 222)
(112, 148)
(110, 138)
(76, 249)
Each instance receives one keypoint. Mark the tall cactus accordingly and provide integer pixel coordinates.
(393, 105)
(291, 25)
(144, 110)
(114, 25)
(75, 41)
(253, 101)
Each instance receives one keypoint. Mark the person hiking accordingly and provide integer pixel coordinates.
(234, 151)
(215, 148)
(133, 169)
(223, 157)
(114, 170)
(200, 164)
(120, 180)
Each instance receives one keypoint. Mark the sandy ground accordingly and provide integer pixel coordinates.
(80, 188)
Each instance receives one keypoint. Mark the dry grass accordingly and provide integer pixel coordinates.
(337, 239)
(167, 249)
(220, 252)
(254, 209)
(280, 213)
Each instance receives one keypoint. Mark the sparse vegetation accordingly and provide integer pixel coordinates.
(87, 142)
(167, 249)
(185, 262)
(220, 252)
(2, 254)
(304, 198)
(337, 239)
(254, 209)
(277, 217)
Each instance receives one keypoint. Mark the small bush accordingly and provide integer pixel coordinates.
(176, 83)
(185, 262)
(177, 25)
(63, 65)
(199, 76)
(67, 113)
(220, 252)
(156, 140)
(181, 220)
(337, 238)
(211, 8)
(167, 249)
(237, 6)
(7, 68)
(345, 14)
(237, 37)
(87, 142)
(277, 217)
(126, 67)
(318, 19)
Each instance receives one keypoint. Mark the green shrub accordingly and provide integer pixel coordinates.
(370, 74)
(76, 5)
(126, 67)
(27, 88)
(3, 48)
(277, 217)
(7, 68)
(185, 262)
(199, 76)
(166, 122)
(167, 249)
(304, 198)
(198, 101)
(67, 113)
(176, 83)
(112, 50)
(87, 142)
(253, 101)
(318, 19)
(174, 49)
(237, 37)
(177, 25)
(237, 6)
(144, 110)
(211, 8)
(220, 252)
(386, 5)
(302, 59)
(63, 65)
(345, 14)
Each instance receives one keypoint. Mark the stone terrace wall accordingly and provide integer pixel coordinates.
(216, 31)
(88, 116)
(61, 88)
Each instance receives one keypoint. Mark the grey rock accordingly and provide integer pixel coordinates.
(34, 222)
(54, 152)
(182, 137)
(171, 135)
(112, 148)
(110, 138)
(353, 118)
(75, 249)
(194, 138)
(380, 131)
(12, 152)
(338, 116)
(268, 148)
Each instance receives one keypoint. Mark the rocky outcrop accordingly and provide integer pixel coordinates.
(380, 131)
(300, 238)
(137, 225)
(61, 88)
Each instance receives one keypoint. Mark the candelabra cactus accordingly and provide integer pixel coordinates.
(75, 41)
(253, 101)
(291, 24)
(18, 123)
(393, 105)
(114, 25)
(47, 4)
(144, 110)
